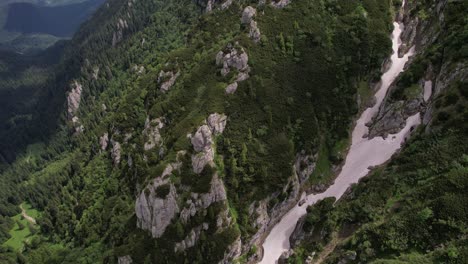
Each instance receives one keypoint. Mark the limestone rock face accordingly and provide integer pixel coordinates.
(298, 234)
(190, 240)
(248, 14)
(217, 123)
(248, 19)
(104, 141)
(209, 5)
(152, 133)
(125, 260)
(234, 251)
(153, 212)
(233, 59)
(116, 152)
(202, 141)
(121, 25)
(280, 3)
(304, 166)
(392, 117)
(74, 99)
(254, 32)
(167, 79)
(197, 201)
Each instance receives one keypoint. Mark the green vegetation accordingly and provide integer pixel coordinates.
(313, 59)
(23, 230)
(413, 209)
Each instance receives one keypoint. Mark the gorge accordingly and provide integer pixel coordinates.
(363, 154)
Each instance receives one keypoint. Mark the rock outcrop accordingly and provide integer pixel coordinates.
(280, 3)
(233, 59)
(265, 218)
(190, 240)
(152, 133)
(74, 99)
(392, 116)
(167, 79)
(153, 210)
(234, 251)
(304, 166)
(209, 5)
(125, 260)
(248, 16)
(116, 152)
(197, 201)
(202, 141)
(104, 141)
(121, 25)
(73, 104)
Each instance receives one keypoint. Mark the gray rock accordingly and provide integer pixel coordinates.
(167, 79)
(104, 141)
(74, 99)
(304, 166)
(254, 32)
(231, 88)
(280, 3)
(191, 239)
(232, 59)
(198, 201)
(201, 159)
(116, 152)
(298, 234)
(125, 260)
(202, 140)
(121, 25)
(234, 251)
(152, 133)
(391, 117)
(217, 123)
(155, 213)
(248, 15)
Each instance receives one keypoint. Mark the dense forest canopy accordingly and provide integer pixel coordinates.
(176, 131)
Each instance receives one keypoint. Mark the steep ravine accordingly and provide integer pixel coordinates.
(364, 153)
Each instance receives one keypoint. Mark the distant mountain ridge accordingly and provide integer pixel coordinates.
(60, 21)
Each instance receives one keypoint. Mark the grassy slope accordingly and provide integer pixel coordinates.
(20, 236)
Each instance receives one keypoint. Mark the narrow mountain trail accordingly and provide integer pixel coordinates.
(26, 216)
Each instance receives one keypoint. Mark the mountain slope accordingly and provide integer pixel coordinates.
(412, 210)
(181, 131)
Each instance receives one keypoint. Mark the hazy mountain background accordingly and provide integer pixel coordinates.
(30, 25)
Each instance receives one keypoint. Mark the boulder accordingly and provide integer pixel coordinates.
(231, 88)
(248, 15)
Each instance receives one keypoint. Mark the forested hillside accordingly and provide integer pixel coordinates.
(413, 209)
(179, 131)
